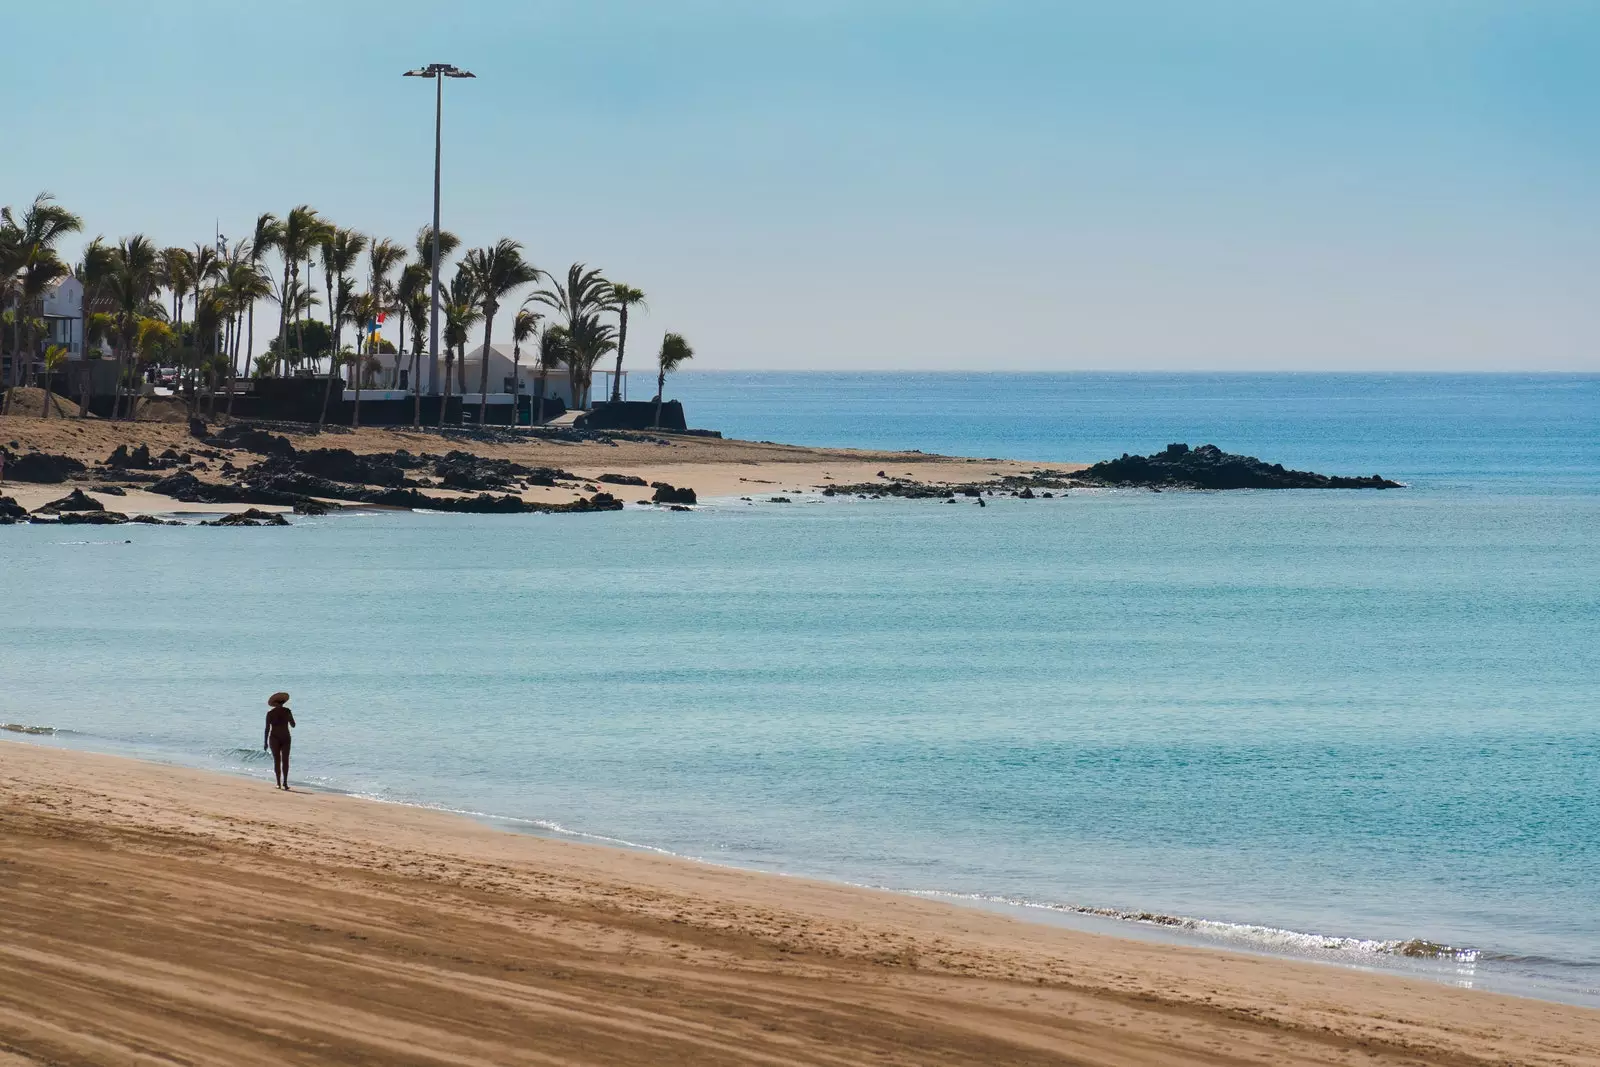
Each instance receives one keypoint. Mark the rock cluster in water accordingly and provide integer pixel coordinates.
(1208, 467)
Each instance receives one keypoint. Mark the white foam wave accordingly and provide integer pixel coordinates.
(1270, 938)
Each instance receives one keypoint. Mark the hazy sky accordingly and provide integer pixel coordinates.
(1407, 184)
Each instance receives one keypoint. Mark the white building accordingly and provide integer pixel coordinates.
(506, 376)
(63, 315)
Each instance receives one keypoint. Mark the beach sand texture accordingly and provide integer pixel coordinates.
(151, 914)
(711, 466)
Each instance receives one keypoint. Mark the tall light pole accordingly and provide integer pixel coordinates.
(438, 72)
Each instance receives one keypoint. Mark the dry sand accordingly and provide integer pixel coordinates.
(711, 467)
(158, 915)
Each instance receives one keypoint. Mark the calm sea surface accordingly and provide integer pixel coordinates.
(1316, 723)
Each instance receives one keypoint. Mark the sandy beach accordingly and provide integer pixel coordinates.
(711, 466)
(153, 914)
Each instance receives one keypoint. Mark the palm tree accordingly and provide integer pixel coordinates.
(496, 271)
(32, 251)
(414, 280)
(268, 236)
(11, 259)
(584, 295)
(297, 301)
(55, 357)
(461, 313)
(245, 283)
(524, 326)
(132, 284)
(207, 269)
(298, 234)
(622, 298)
(98, 263)
(588, 341)
(448, 243)
(382, 259)
(674, 351)
(418, 306)
(554, 349)
(340, 249)
(178, 274)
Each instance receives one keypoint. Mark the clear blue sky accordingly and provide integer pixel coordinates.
(1406, 184)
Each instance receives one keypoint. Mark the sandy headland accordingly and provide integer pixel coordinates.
(711, 466)
(152, 914)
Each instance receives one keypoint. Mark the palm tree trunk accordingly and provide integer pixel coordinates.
(661, 387)
(416, 385)
(356, 372)
(483, 365)
(516, 385)
(233, 358)
(622, 342)
(543, 373)
(444, 401)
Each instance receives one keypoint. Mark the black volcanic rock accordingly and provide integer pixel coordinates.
(77, 500)
(343, 465)
(252, 517)
(1208, 467)
(250, 439)
(92, 518)
(137, 459)
(666, 493)
(42, 467)
(11, 511)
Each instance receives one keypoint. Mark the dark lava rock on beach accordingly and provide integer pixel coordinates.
(245, 438)
(666, 493)
(77, 500)
(252, 517)
(343, 465)
(42, 467)
(191, 490)
(137, 459)
(11, 511)
(92, 518)
(622, 479)
(1208, 467)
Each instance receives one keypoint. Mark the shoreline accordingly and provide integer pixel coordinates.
(1036, 976)
(1413, 959)
(711, 467)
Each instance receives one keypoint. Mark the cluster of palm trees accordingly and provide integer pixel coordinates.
(573, 322)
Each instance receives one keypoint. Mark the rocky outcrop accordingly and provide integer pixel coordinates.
(77, 500)
(42, 468)
(666, 493)
(91, 518)
(186, 487)
(343, 465)
(622, 479)
(1208, 467)
(252, 517)
(122, 458)
(238, 435)
(11, 511)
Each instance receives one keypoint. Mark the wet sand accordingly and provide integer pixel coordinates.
(151, 914)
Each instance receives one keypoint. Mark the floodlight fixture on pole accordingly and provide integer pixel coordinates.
(438, 72)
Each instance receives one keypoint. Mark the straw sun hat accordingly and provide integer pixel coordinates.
(278, 698)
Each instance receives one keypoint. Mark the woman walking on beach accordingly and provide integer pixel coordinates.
(279, 720)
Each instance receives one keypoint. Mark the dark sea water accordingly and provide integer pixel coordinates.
(1342, 725)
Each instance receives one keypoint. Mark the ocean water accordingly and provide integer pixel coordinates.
(1349, 726)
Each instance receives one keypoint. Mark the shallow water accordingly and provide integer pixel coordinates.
(1321, 723)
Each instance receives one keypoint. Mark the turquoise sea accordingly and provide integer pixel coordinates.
(1323, 724)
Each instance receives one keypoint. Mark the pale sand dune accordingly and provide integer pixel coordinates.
(157, 915)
